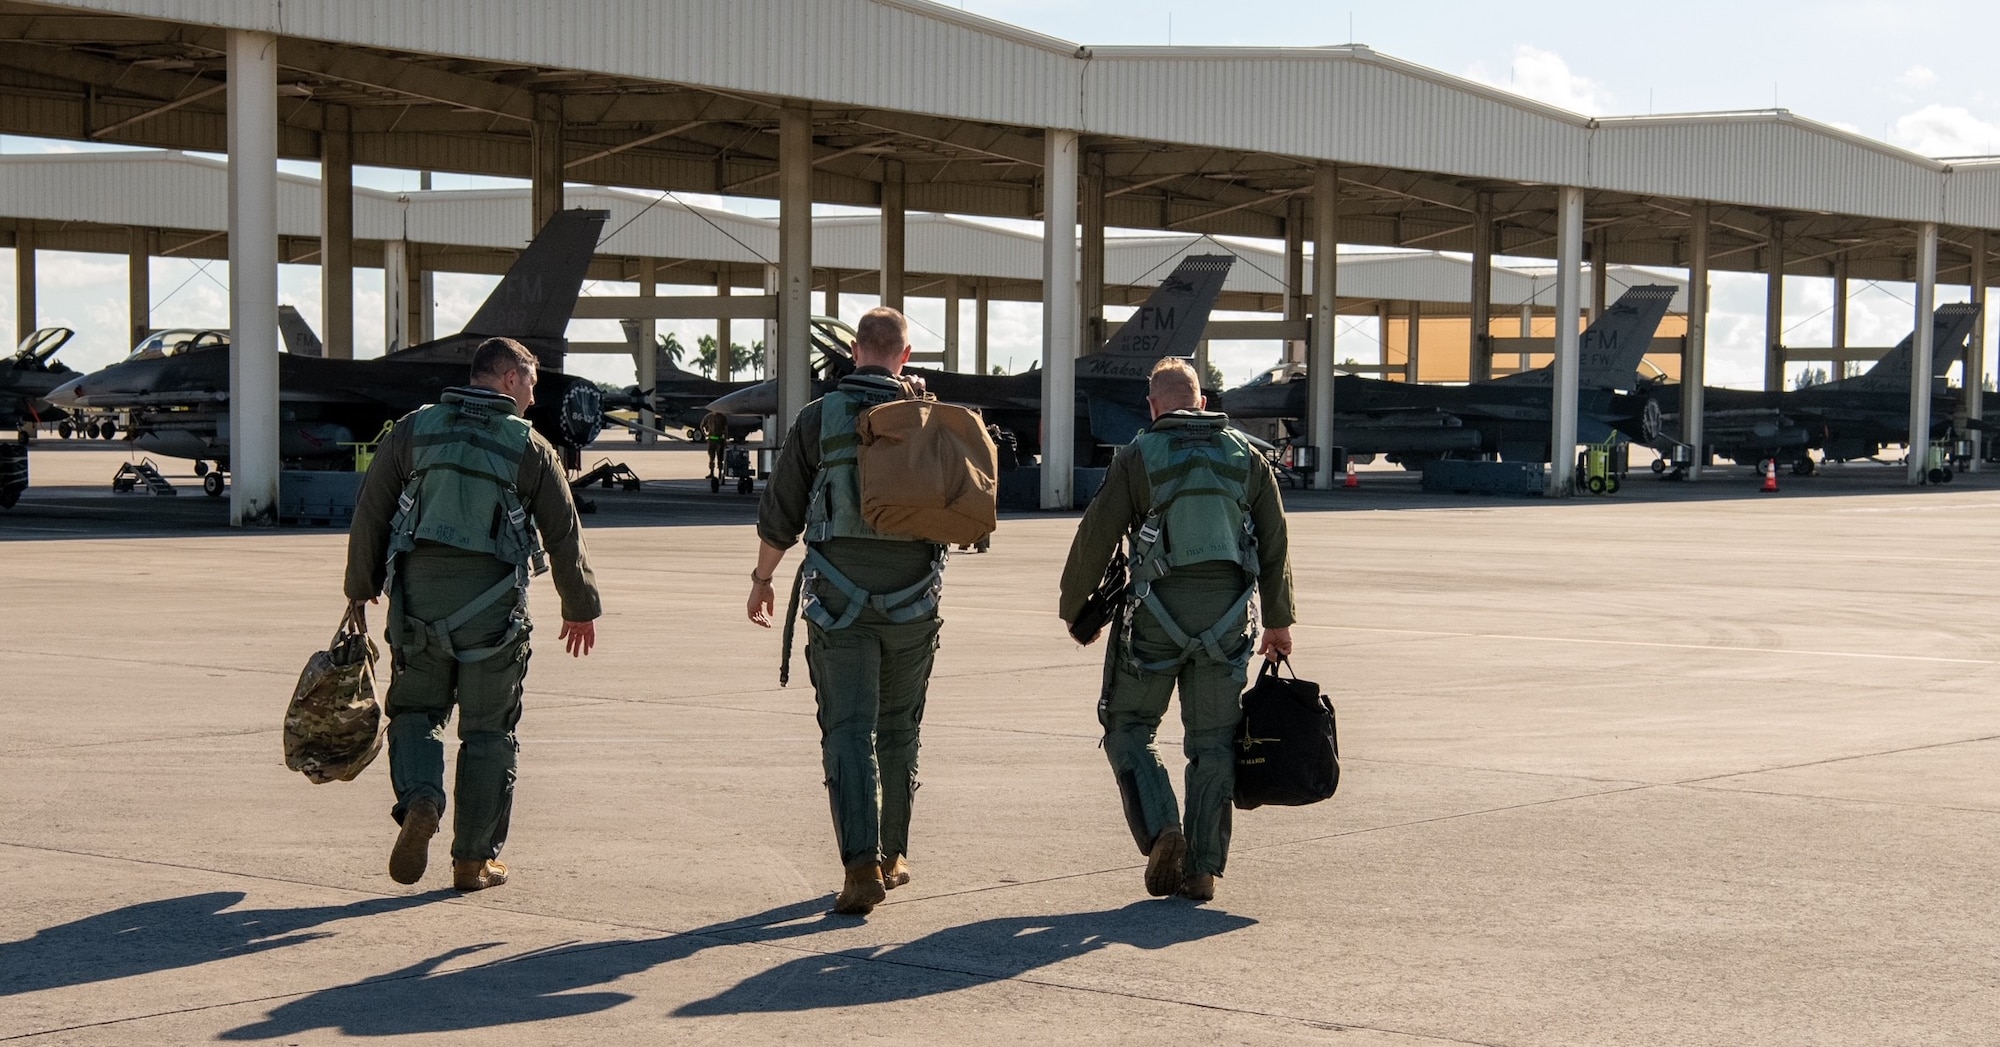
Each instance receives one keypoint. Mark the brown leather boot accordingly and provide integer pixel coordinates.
(412, 852)
(1199, 887)
(895, 872)
(471, 874)
(1163, 862)
(863, 890)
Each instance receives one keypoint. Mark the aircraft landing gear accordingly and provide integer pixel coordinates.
(65, 428)
(200, 467)
(212, 484)
(1804, 466)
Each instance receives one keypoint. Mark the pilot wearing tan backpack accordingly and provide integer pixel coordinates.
(879, 480)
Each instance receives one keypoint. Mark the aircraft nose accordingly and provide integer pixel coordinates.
(752, 400)
(68, 394)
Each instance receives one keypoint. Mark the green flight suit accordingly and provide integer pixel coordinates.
(1141, 673)
(869, 676)
(432, 582)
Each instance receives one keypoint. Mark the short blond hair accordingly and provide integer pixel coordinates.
(1173, 384)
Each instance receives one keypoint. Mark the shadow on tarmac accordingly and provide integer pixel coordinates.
(547, 984)
(167, 935)
(961, 957)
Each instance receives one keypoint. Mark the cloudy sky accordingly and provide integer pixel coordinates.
(1877, 69)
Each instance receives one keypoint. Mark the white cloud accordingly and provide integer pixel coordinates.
(1917, 76)
(1545, 77)
(1946, 130)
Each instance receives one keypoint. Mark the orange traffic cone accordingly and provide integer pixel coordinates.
(1352, 482)
(1770, 476)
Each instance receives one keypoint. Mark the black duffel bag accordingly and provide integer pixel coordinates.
(1287, 751)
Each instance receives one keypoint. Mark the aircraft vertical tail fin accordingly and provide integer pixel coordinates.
(1171, 321)
(538, 294)
(1951, 326)
(1610, 350)
(298, 334)
(1613, 347)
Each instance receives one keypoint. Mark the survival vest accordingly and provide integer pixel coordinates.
(835, 512)
(465, 455)
(1199, 472)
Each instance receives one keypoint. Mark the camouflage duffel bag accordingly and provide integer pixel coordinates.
(334, 725)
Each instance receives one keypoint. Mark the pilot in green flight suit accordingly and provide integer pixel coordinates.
(451, 519)
(1207, 528)
(870, 603)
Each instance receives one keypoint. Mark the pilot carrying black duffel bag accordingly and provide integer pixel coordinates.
(1287, 751)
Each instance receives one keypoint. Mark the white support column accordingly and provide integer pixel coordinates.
(425, 292)
(1090, 281)
(1569, 287)
(545, 159)
(832, 293)
(1522, 360)
(790, 353)
(981, 302)
(1974, 372)
(1694, 365)
(954, 360)
(1774, 310)
(336, 236)
(396, 296)
(1413, 340)
(1600, 272)
(723, 336)
(1480, 366)
(1295, 273)
(1382, 308)
(1325, 323)
(419, 303)
(649, 353)
(24, 284)
(253, 277)
(773, 284)
(1923, 350)
(894, 234)
(139, 285)
(1060, 318)
(1839, 369)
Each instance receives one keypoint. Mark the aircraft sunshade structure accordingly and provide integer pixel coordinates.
(334, 724)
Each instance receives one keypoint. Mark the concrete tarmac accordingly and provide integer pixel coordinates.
(1685, 766)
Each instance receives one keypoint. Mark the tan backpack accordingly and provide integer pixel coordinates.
(927, 470)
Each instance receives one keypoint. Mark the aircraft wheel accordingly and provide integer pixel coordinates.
(1611, 485)
(200, 467)
(1936, 476)
(714, 484)
(1803, 467)
(211, 485)
(66, 428)
(1947, 475)
(744, 485)
(1659, 466)
(1595, 484)
(108, 429)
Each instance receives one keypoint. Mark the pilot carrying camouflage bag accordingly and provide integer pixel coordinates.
(334, 725)
(1287, 751)
(927, 470)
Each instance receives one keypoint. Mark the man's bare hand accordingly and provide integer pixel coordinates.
(762, 597)
(359, 609)
(1277, 643)
(578, 637)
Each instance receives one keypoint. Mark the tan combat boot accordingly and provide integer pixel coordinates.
(471, 874)
(1199, 887)
(413, 844)
(863, 890)
(1163, 862)
(895, 872)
